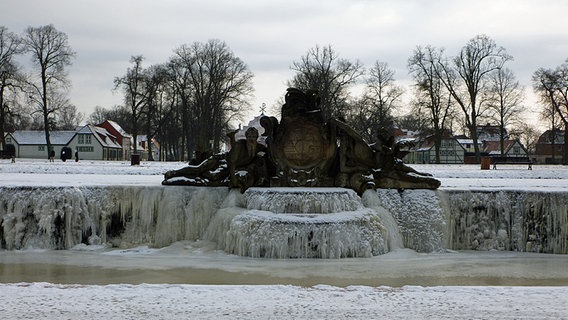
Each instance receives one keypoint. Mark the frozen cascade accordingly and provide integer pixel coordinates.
(122, 216)
(336, 233)
(303, 200)
(508, 220)
(420, 218)
(371, 200)
(260, 224)
(42, 218)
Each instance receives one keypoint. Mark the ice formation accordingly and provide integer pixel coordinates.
(119, 216)
(284, 223)
(509, 220)
(299, 223)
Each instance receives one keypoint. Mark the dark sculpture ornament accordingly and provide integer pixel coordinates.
(303, 150)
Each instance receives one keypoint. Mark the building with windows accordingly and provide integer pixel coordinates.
(451, 151)
(549, 148)
(513, 150)
(96, 143)
(124, 139)
(32, 144)
(89, 141)
(490, 133)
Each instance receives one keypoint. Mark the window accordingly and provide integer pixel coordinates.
(84, 139)
(85, 149)
(40, 148)
(8, 140)
(516, 150)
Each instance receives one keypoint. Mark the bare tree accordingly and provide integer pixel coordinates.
(505, 102)
(527, 134)
(552, 87)
(381, 98)
(178, 134)
(119, 114)
(10, 76)
(431, 94)
(215, 87)
(158, 112)
(97, 116)
(133, 86)
(68, 118)
(321, 69)
(51, 53)
(466, 77)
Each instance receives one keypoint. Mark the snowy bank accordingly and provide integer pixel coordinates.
(49, 301)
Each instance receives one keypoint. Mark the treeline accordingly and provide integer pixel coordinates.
(189, 102)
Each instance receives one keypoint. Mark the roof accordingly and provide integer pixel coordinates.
(62, 138)
(25, 137)
(465, 141)
(118, 128)
(494, 147)
(102, 135)
(549, 135)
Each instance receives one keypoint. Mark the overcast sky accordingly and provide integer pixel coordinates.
(269, 35)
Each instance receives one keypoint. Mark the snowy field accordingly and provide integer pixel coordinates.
(188, 280)
(28, 172)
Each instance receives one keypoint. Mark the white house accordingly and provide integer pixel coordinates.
(95, 143)
(91, 142)
(32, 144)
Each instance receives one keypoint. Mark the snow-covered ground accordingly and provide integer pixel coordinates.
(70, 173)
(178, 281)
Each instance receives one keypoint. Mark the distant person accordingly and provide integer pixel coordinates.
(13, 158)
(52, 155)
(63, 155)
(76, 155)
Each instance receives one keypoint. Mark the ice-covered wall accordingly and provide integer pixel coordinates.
(418, 214)
(302, 200)
(382, 220)
(121, 216)
(508, 220)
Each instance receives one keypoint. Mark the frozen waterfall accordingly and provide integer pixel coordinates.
(284, 222)
(299, 223)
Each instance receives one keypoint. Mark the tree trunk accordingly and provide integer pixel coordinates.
(437, 145)
(2, 119)
(46, 119)
(565, 153)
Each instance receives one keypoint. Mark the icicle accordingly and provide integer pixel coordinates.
(509, 220)
(60, 218)
(419, 216)
(284, 223)
(371, 200)
(303, 200)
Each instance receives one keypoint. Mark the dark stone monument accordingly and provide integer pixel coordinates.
(305, 150)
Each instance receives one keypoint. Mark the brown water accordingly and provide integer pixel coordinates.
(211, 267)
(15, 273)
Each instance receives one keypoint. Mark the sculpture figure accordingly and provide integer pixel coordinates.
(242, 167)
(304, 150)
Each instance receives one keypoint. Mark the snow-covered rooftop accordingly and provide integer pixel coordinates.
(38, 137)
